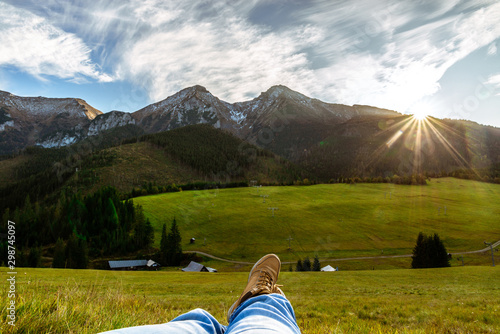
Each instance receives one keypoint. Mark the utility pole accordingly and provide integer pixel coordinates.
(264, 198)
(273, 210)
(492, 257)
(289, 240)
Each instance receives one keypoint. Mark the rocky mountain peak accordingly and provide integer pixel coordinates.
(199, 88)
(42, 107)
(278, 90)
(89, 111)
(191, 105)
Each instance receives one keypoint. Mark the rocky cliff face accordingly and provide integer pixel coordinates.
(100, 123)
(26, 121)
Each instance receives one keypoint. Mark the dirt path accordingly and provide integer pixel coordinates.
(496, 244)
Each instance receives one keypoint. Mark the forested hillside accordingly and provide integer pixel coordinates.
(75, 193)
(373, 147)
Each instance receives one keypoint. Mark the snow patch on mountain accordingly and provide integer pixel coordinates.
(8, 123)
(58, 141)
(237, 115)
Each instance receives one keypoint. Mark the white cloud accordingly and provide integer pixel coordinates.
(232, 58)
(494, 80)
(32, 44)
(492, 49)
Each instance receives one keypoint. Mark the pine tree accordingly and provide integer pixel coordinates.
(76, 252)
(21, 258)
(419, 252)
(429, 252)
(164, 246)
(139, 228)
(299, 266)
(149, 234)
(306, 264)
(316, 264)
(59, 260)
(441, 255)
(35, 257)
(174, 253)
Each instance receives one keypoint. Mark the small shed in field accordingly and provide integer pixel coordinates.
(328, 268)
(153, 265)
(133, 265)
(198, 267)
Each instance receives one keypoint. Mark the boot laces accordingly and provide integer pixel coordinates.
(266, 282)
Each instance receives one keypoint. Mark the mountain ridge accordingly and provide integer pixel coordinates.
(331, 140)
(56, 122)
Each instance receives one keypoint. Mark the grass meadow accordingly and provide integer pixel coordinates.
(449, 300)
(330, 220)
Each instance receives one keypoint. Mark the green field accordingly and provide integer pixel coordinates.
(450, 300)
(332, 221)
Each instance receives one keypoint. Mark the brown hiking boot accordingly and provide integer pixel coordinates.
(261, 281)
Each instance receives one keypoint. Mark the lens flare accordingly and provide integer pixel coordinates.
(420, 116)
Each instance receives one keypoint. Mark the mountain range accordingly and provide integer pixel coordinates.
(329, 139)
(50, 122)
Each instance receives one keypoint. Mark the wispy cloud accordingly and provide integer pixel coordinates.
(492, 49)
(386, 54)
(32, 44)
(233, 59)
(165, 46)
(494, 81)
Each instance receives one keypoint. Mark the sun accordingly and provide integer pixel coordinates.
(420, 116)
(421, 110)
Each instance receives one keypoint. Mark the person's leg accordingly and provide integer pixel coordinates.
(194, 322)
(262, 307)
(269, 313)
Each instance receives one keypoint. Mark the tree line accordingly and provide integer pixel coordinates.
(306, 265)
(95, 225)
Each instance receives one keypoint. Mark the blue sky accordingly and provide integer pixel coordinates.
(435, 57)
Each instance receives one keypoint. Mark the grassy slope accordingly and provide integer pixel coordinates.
(140, 163)
(453, 300)
(333, 221)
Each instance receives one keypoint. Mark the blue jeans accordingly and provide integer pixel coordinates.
(262, 314)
